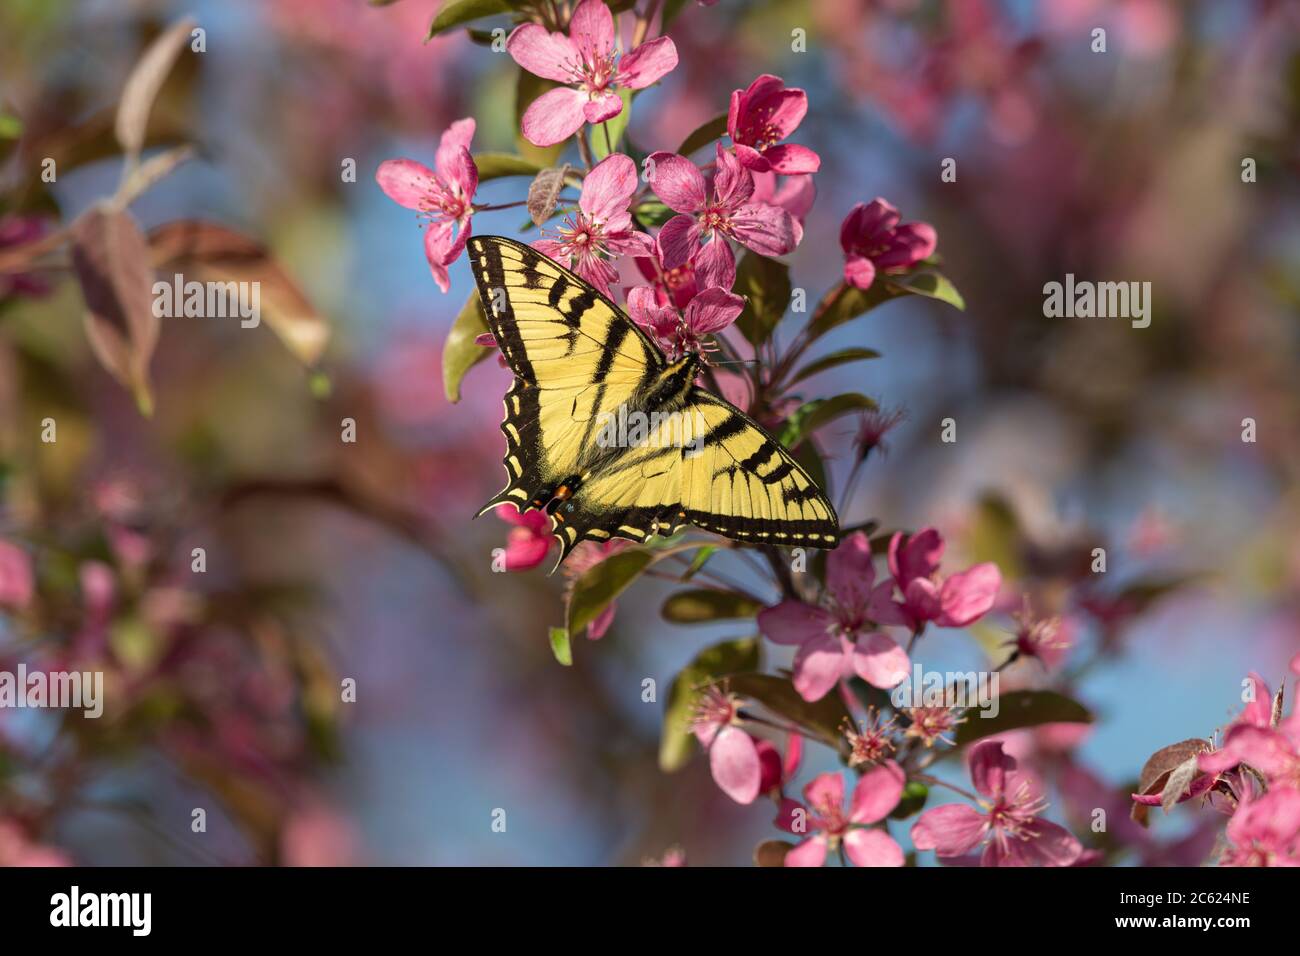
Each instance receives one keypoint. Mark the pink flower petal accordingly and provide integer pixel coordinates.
(713, 310)
(715, 264)
(908, 246)
(872, 848)
(678, 182)
(525, 550)
(605, 106)
(677, 241)
(550, 55)
(768, 230)
(455, 138)
(554, 116)
(752, 159)
(1047, 844)
(915, 557)
(818, 666)
(949, 830)
(791, 159)
(1267, 750)
(811, 852)
(968, 596)
(734, 763)
(866, 224)
(989, 768)
(592, 29)
(647, 63)
(877, 793)
(859, 271)
(850, 572)
(824, 792)
(17, 583)
(879, 661)
(608, 188)
(598, 628)
(794, 622)
(732, 182)
(458, 167)
(406, 182)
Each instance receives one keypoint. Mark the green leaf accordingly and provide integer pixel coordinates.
(932, 285)
(498, 165)
(824, 717)
(912, 800)
(808, 456)
(460, 352)
(705, 134)
(1022, 708)
(602, 584)
(702, 605)
(560, 645)
(845, 303)
(528, 88)
(842, 357)
(813, 415)
(652, 212)
(458, 12)
(765, 283)
(605, 137)
(676, 742)
(701, 557)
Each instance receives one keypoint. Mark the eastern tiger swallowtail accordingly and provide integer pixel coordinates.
(611, 438)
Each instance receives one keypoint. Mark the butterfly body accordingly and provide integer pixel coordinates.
(615, 441)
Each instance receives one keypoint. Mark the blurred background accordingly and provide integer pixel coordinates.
(328, 561)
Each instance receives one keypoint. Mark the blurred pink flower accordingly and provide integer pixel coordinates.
(932, 725)
(1265, 831)
(602, 226)
(16, 581)
(20, 231)
(586, 62)
(839, 640)
(1045, 639)
(724, 210)
(874, 426)
(733, 754)
(778, 770)
(760, 117)
(795, 195)
(876, 794)
(956, 601)
(443, 195)
(529, 539)
(17, 849)
(318, 836)
(873, 241)
(1008, 823)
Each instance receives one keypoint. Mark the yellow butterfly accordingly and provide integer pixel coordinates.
(612, 439)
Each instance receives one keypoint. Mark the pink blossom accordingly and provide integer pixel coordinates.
(733, 754)
(602, 226)
(763, 115)
(16, 581)
(706, 314)
(1265, 831)
(873, 241)
(1045, 639)
(875, 795)
(932, 725)
(1252, 739)
(17, 849)
(676, 286)
(956, 601)
(873, 741)
(443, 195)
(529, 539)
(318, 836)
(1008, 823)
(840, 639)
(586, 63)
(777, 770)
(725, 210)
(874, 426)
